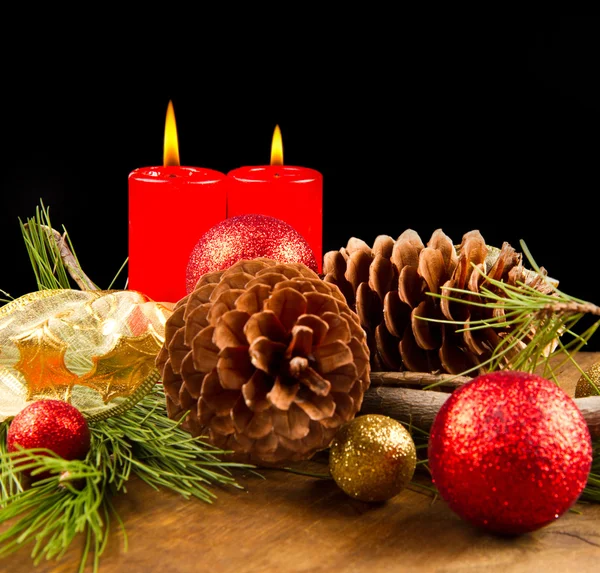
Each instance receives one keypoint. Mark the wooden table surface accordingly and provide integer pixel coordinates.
(286, 522)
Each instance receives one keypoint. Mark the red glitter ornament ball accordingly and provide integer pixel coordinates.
(51, 424)
(510, 452)
(247, 237)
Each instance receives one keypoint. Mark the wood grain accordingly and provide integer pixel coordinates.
(291, 523)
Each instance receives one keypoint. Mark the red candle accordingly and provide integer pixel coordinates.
(292, 194)
(170, 208)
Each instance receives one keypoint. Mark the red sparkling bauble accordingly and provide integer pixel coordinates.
(51, 424)
(247, 237)
(510, 452)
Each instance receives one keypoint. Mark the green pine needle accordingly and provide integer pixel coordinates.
(146, 442)
(535, 327)
(76, 496)
(44, 255)
(52, 255)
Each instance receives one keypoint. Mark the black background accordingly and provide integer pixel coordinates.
(423, 122)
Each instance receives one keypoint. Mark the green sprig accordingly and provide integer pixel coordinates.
(53, 258)
(44, 254)
(535, 324)
(76, 497)
(54, 510)
(146, 442)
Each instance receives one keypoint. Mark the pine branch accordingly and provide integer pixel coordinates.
(571, 307)
(52, 512)
(145, 441)
(76, 497)
(533, 324)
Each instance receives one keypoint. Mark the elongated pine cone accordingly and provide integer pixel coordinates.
(387, 285)
(268, 359)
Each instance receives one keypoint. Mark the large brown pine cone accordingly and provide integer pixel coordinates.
(269, 360)
(387, 286)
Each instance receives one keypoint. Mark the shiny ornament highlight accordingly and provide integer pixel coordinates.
(584, 388)
(372, 458)
(52, 424)
(510, 452)
(247, 237)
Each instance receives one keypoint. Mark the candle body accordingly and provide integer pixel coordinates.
(170, 208)
(292, 194)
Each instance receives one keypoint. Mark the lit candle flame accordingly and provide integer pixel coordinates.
(277, 148)
(171, 146)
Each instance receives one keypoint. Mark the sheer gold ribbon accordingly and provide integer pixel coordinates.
(94, 349)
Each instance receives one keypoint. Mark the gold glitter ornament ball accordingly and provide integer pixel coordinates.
(584, 388)
(372, 458)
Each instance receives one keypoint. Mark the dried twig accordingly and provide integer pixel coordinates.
(419, 407)
(418, 379)
(572, 307)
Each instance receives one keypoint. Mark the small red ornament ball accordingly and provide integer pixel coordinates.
(509, 452)
(247, 237)
(51, 424)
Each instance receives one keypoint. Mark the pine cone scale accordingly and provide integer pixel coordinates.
(282, 395)
(255, 392)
